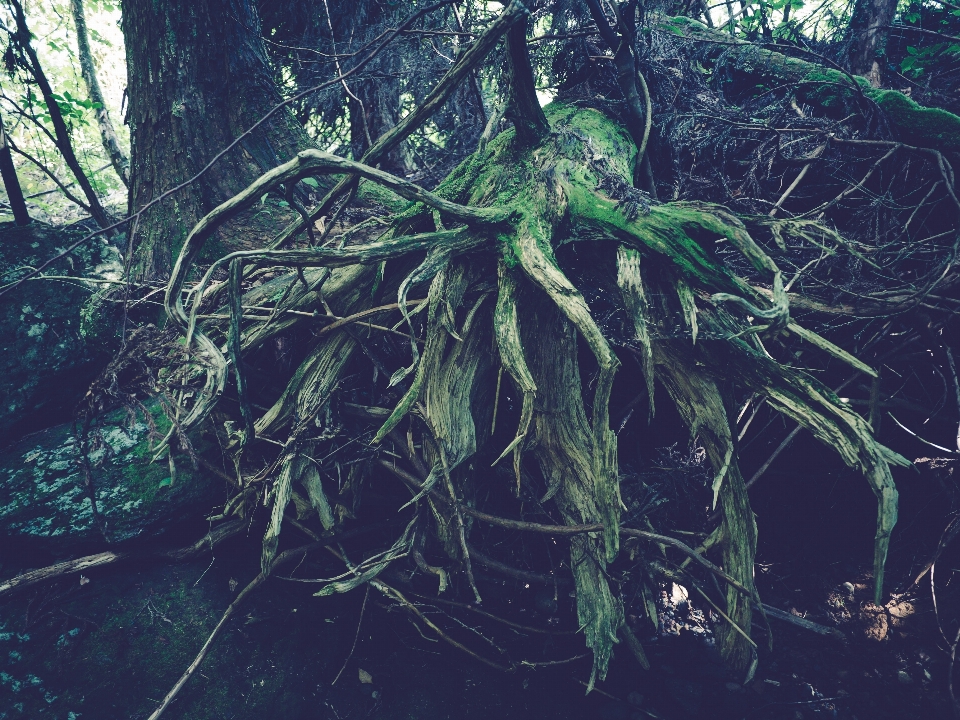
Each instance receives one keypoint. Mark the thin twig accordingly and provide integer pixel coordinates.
(572, 529)
(353, 647)
(508, 623)
(793, 186)
(956, 385)
(953, 659)
(228, 613)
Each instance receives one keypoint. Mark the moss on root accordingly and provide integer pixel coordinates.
(520, 205)
(757, 69)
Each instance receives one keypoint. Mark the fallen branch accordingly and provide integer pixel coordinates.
(69, 567)
(802, 623)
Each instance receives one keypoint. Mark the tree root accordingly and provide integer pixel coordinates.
(510, 207)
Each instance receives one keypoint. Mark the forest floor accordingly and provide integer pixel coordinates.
(111, 643)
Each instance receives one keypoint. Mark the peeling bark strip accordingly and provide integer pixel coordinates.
(88, 70)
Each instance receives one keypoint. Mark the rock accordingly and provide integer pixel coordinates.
(43, 495)
(46, 361)
(899, 612)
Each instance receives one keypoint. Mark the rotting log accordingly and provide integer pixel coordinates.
(753, 68)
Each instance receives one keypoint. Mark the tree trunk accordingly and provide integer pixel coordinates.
(10, 181)
(523, 107)
(56, 118)
(868, 37)
(198, 77)
(374, 109)
(108, 135)
(374, 102)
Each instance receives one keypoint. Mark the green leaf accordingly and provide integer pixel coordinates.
(99, 38)
(166, 482)
(312, 182)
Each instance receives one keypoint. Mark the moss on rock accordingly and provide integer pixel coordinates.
(43, 494)
(46, 361)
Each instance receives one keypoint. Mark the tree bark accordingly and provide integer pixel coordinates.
(868, 37)
(374, 102)
(10, 181)
(374, 109)
(56, 117)
(523, 107)
(198, 78)
(88, 70)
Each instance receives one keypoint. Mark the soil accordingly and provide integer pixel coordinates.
(111, 643)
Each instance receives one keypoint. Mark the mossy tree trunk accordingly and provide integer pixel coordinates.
(198, 77)
(867, 36)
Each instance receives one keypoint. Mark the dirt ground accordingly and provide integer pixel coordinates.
(110, 643)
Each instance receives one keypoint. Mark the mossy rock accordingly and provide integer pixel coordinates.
(46, 361)
(43, 495)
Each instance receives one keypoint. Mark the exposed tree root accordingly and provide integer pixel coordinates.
(485, 244)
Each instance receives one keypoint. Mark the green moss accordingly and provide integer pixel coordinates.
(372, 192)
(917, 125)
(669, 231)
(761, 69)
(42, 489)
